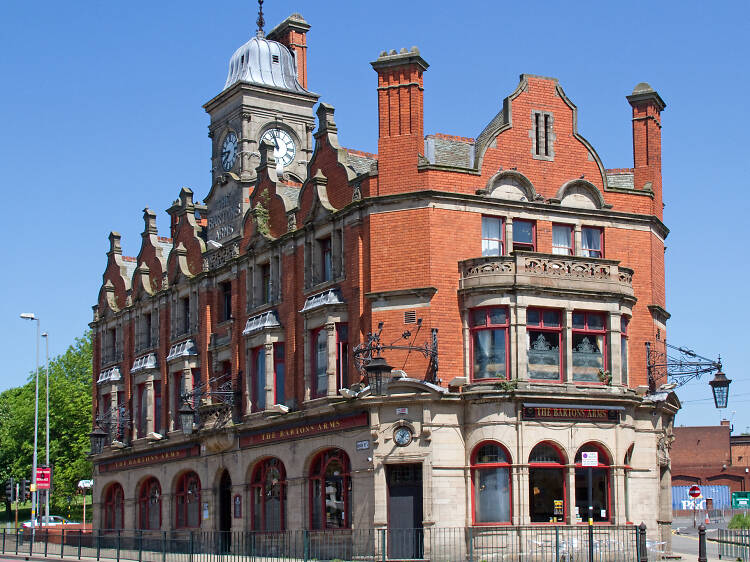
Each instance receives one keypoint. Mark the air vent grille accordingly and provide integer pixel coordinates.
(410, 317)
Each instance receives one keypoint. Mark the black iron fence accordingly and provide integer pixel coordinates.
(442, 544)
(734, 544)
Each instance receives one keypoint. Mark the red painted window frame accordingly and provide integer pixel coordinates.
(624, 344)
(601, 242)
(279, 358)
(587, 330)
(181, 490)
(111, 498)
(176, 380)
(141, 422)
(475, 466)
(572, 248)
(555, 466)
(314, 362)
(157, 406)
(257, 481)
(488, 326)
(525, 244)
(254, 353)
(324, 458)
(502, 233)
(144, 504)
(342, 354)
(600, 465)
(542, 328)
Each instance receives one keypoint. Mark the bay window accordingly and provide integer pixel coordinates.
(490, 478)
(624, 322)
(543, 339)
(591, 242)
(562, 239)
(524, 235)
(589, 348)
(493, 236)
(489, 343)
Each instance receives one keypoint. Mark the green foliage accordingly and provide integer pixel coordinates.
(740, 521)
(507, 386)
(70, 422)
(605, 377)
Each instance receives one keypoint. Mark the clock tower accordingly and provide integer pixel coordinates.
(264, 99)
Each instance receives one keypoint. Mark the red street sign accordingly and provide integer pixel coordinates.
(43, 477)
(694, 491)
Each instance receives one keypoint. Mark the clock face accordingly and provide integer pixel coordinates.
(402, 436)
(229, 151)
(284, 148)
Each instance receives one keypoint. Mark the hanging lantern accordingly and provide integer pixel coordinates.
(187, 415)
(378, 375)
(98, 438)
(720, 388)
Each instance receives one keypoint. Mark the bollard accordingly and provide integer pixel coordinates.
(702, 543)
(98, 544)
(80, 538)
(642, 546)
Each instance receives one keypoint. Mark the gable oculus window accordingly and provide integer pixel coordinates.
(524, 235)
(562, 240)
(543, 338)
(489, 343)
(591, 242)
(490, 480)
(589, 349)
(493, 236)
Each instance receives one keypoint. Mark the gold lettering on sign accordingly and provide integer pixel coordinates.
(295, 432)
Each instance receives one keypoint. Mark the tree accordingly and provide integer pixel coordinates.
(70, 422)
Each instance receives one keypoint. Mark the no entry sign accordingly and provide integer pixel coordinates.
(694, 491)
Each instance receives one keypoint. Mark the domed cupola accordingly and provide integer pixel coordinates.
(265, 63)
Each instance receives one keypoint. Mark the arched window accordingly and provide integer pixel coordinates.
(149, 505)
(490, 479)
(628, 468)
(268, 492)
(546, 484)
(599, 485)
(330, 490)
(188, 501)
(114, 505)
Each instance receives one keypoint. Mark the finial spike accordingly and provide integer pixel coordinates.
(260, 21)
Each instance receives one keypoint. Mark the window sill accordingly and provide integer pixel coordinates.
(261, 308)
(322, 286)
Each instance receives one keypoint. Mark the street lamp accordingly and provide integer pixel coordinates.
(46, 440)
(378, 374)
(31, 316)
(720, 388)
(98, 437)
(187, 415)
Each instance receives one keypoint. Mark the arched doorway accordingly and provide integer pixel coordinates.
(225, 512)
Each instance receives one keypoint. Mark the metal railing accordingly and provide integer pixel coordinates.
(734, 544)
(441, 544)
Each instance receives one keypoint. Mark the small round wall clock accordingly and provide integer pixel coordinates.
(402, 436)
(284, 148)
(229, 151)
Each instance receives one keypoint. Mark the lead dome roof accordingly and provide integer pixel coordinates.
(265, 63)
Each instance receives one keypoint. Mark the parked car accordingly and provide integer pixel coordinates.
(47, 521)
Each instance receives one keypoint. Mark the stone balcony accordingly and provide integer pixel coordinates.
(553, 272)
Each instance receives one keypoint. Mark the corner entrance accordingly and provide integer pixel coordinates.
(405, 533)
(225, 513)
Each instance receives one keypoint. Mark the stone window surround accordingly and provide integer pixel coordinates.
(546, 146)
(254, 280)
(111, 349)
(517, 312)
(265, 338)
(333, 230)
(177, 321)
(576, 226)
(183, 366)
(148, 378)
(141, 344)
(327, 316)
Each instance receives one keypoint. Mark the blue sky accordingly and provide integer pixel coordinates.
(101, 115)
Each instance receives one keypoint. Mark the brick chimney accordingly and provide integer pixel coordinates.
(647, 107)
(400, 117)
(292, 33)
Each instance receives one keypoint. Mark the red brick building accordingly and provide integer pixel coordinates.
(516, 277)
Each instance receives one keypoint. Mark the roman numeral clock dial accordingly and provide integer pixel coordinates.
(284, 148)
(229, 151)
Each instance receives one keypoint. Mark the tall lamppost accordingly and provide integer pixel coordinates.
(31, 316)
(46, 440)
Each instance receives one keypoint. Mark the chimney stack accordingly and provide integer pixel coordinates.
(292, 33)
(400, 117)
(647, 107)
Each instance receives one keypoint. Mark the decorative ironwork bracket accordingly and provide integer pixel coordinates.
(366, 351)
(678, 368)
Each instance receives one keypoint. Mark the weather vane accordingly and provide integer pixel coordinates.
(260, 21)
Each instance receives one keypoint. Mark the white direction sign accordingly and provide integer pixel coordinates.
(590, 459)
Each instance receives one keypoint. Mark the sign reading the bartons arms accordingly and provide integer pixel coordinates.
(543, 412)
(159, 457)
(303, 429)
